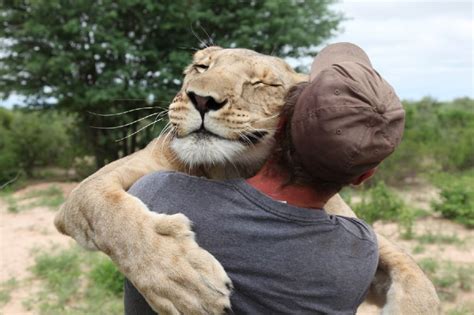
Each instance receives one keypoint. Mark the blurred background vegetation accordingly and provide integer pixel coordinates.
(78, 63)
(112, 56)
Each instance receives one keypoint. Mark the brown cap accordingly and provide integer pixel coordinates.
(348, 119)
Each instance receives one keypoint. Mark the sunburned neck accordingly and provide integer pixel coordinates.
(271, 183)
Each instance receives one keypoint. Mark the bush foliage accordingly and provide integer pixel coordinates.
(457, 198)
(30, 139)
(380, 203)
(106, 276)
(439, 137)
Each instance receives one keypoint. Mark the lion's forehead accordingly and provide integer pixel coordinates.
(246, 58)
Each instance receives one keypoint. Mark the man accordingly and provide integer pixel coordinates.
(283, 252)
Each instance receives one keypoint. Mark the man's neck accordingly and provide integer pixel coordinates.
(271, 183)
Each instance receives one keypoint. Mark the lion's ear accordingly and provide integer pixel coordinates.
(203, 53)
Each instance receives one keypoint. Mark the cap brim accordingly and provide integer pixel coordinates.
(336, 53)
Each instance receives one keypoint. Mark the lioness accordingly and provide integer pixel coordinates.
(245, 91)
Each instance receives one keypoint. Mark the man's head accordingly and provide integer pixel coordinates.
(344, 122)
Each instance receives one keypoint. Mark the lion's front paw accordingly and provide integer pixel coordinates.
(70, 221)
(175, 225)
(174, 274)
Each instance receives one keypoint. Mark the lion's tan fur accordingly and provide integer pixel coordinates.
(99, 213)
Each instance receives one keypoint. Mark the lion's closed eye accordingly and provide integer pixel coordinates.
(201, 68)
(260, 82)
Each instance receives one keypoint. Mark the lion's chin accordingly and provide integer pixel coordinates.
(195, 150)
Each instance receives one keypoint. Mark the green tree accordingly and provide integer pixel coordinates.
(110, 56)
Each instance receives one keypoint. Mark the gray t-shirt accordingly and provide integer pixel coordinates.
(281, 259)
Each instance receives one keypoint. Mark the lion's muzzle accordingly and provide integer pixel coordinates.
(204, 103)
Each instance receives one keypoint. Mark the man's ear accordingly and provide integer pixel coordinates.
(362, 178)
(280, 129)
(281, 124)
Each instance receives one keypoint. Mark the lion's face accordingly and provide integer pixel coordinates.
(227, 109)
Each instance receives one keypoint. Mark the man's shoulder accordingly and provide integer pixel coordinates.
(152, 181)
(160, 176)
(160, 179)
(172, 181)
(358, 228)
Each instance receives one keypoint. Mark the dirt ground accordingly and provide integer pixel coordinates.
(23, 232)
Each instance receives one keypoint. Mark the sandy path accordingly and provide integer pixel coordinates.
(20, 234)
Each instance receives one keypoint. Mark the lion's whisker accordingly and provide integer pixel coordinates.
(244, 137)
(125, 112)
(198, 38)
(266, 118)
(155, 121)
(158, 137)
(261, 129)
(165, 129)
(208, 37)
(168, 129)
(169, 134)
(124, 125)
(134, 133)
(139, 100)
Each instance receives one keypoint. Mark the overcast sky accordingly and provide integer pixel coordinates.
(423, 48)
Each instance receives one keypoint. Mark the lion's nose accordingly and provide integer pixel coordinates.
(204, 103)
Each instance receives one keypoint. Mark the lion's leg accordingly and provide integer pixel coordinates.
(67, 216)
(409, 291)
(157, 252)
(94, 198)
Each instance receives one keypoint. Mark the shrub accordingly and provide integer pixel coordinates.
(405, 162)
(455, 145)
(439, 136)
(29, 139)
(379, 203)
(106, 276)
(457, 199)
(8, 165)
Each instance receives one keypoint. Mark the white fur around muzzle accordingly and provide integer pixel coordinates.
(195, 151)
